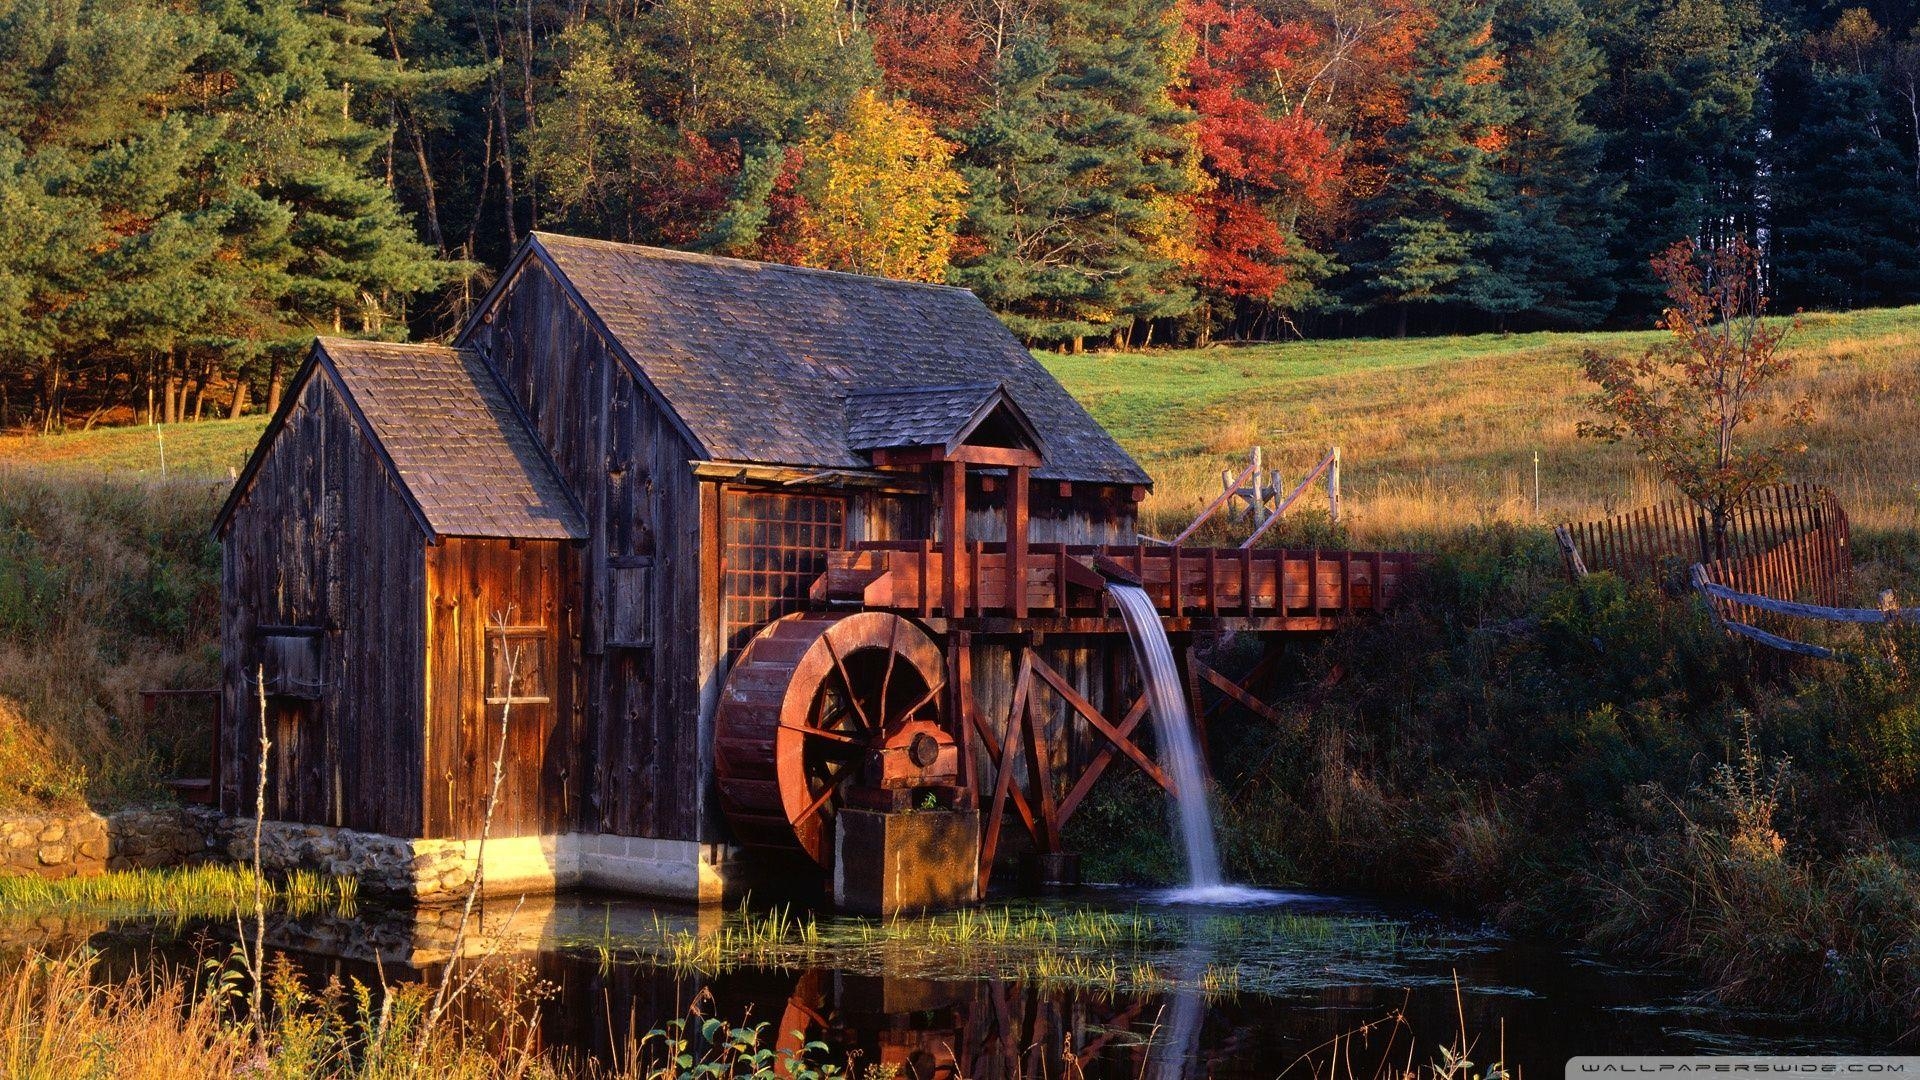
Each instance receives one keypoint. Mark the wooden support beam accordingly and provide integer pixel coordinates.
(953, 510)
(1040, 775)
(1100, 762)
(1003, 788)
(1092, 715)
(960, 691)
(1197, 666)
(1017, 508)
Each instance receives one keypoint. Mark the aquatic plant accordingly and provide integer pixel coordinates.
(178, 893)
(1133, 950)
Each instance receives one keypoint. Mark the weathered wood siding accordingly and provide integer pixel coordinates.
(642, 660)
(326, 540)
(1086, 514)
(470, 585)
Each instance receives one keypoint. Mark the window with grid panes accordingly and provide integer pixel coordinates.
(776, 546)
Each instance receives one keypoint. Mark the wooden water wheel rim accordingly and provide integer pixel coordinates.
(809, 698)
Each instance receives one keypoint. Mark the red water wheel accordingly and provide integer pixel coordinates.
(809, 700)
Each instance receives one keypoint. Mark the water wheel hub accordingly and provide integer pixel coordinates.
(820, 703)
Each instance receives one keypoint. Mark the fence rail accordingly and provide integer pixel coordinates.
(1788, 541)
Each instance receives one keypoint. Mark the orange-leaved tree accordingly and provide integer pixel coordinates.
(1692, 402)
(879, 193)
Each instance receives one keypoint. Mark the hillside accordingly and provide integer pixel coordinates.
(1435, 432)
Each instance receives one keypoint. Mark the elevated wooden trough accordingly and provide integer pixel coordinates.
(1063, 586)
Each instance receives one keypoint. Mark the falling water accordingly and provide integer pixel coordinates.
(1173, 729)
(1180, 756)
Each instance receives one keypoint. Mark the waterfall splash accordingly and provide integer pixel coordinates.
(1180, 756)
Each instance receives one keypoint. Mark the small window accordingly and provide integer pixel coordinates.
(517, 665)
(290, 661)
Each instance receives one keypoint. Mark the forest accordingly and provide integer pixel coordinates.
(191, 189)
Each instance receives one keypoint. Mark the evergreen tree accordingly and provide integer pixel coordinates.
(1019, 191)
(1846, 222)
(1433, 219)
(107, 235)
(1549, 248)
(1075, 168)
(1683, 110)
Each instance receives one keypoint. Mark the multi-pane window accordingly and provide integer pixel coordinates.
(776, 546)
(517, 665)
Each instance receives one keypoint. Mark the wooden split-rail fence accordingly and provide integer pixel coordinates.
(1788, 541)
(1256, 493)
(1787, 557)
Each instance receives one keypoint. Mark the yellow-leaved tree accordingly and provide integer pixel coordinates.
(878, 193)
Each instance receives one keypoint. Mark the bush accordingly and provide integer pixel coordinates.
(106, 588)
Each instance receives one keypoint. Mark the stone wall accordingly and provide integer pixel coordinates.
(58, 845)
(70, 844)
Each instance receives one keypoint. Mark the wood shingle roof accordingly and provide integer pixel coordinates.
(923, 415)
(460, 446)
(759, 360)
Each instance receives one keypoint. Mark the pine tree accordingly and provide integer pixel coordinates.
(1549, 251)
(1434, 217)
(1683, 112)
(106, 235)
(1076, 167)
(1018, 185)
(1846, 221)
(352, 258)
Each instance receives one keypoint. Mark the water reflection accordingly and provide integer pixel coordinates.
(1178, 991)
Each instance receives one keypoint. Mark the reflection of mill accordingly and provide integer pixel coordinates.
(994, 1029)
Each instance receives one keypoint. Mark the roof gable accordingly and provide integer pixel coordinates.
(760, 361)
(944, 417)
(461, 451)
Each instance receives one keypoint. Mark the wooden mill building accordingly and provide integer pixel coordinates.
(631, 461)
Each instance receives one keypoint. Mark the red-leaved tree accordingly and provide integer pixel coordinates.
(1267, 157)
(1690, 401)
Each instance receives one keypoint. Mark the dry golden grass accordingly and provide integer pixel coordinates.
(1440, 434)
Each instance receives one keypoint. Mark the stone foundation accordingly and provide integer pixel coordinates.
(80, 843)
(435, 870)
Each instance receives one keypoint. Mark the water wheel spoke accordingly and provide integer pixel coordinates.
(925, 700)
(833, 784)
(846, 683)
(886, 677)
(824, 733)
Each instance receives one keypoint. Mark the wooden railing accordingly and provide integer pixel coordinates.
(1060, 580)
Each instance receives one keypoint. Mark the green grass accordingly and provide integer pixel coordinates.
(1438, 433)
(207, 449)
(1110, 950)
(182, 892)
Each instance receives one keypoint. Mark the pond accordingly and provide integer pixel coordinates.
(1106, 983)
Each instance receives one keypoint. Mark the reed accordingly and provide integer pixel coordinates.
(205, 890)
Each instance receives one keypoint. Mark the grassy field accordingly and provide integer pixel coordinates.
(1439, 432)
(207, 449)
(1434, 432)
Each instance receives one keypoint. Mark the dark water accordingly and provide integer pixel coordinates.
(1245, 992)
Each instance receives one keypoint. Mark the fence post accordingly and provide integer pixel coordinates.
(1333, 488)
(1576, 565)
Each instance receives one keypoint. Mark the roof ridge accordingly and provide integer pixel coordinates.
(727, 260)
(329, 340)
(928, 388)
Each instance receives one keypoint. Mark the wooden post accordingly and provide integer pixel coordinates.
(1258, 505)
(1576, 566)
(960, 676)
(1017, 540)
(956, 536)
(1333, 487)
